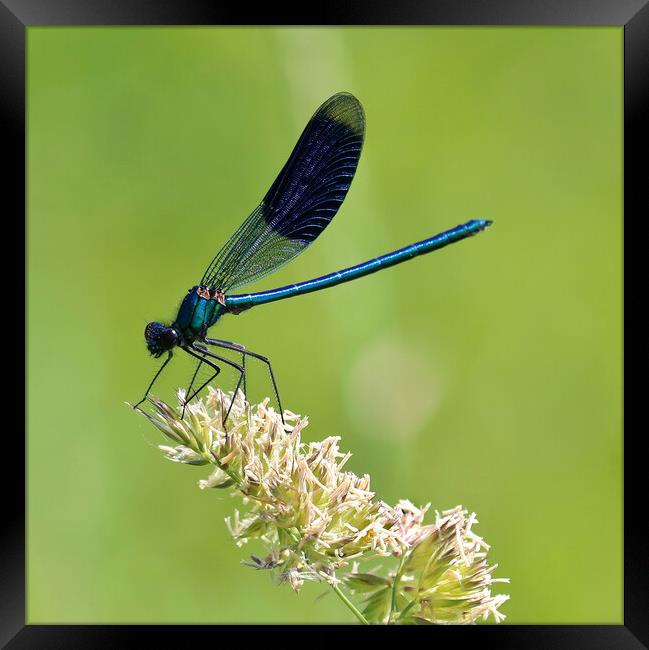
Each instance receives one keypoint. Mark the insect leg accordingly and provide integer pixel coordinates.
(243, 365)
(228, 345)
(162, 367)
(191, 383)
(214, 367)
(201, 359)
(204, 351)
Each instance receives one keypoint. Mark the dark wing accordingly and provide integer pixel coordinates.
(301, 202)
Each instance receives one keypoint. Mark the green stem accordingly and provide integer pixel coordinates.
(406, 609)
(354, 610)
(349, 604)
(295, 535)
(397, 578)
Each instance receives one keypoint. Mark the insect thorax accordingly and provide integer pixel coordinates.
(200, 309)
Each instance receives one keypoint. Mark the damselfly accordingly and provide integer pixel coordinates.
(299, 205)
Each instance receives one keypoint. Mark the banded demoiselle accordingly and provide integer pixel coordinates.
(299, 205)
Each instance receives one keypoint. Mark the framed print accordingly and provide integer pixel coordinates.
(172, 162)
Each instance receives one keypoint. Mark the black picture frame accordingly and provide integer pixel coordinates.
(17, 15)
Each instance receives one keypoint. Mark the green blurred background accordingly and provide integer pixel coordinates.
(487, 374)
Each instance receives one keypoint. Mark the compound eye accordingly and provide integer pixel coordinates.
(150, 329)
